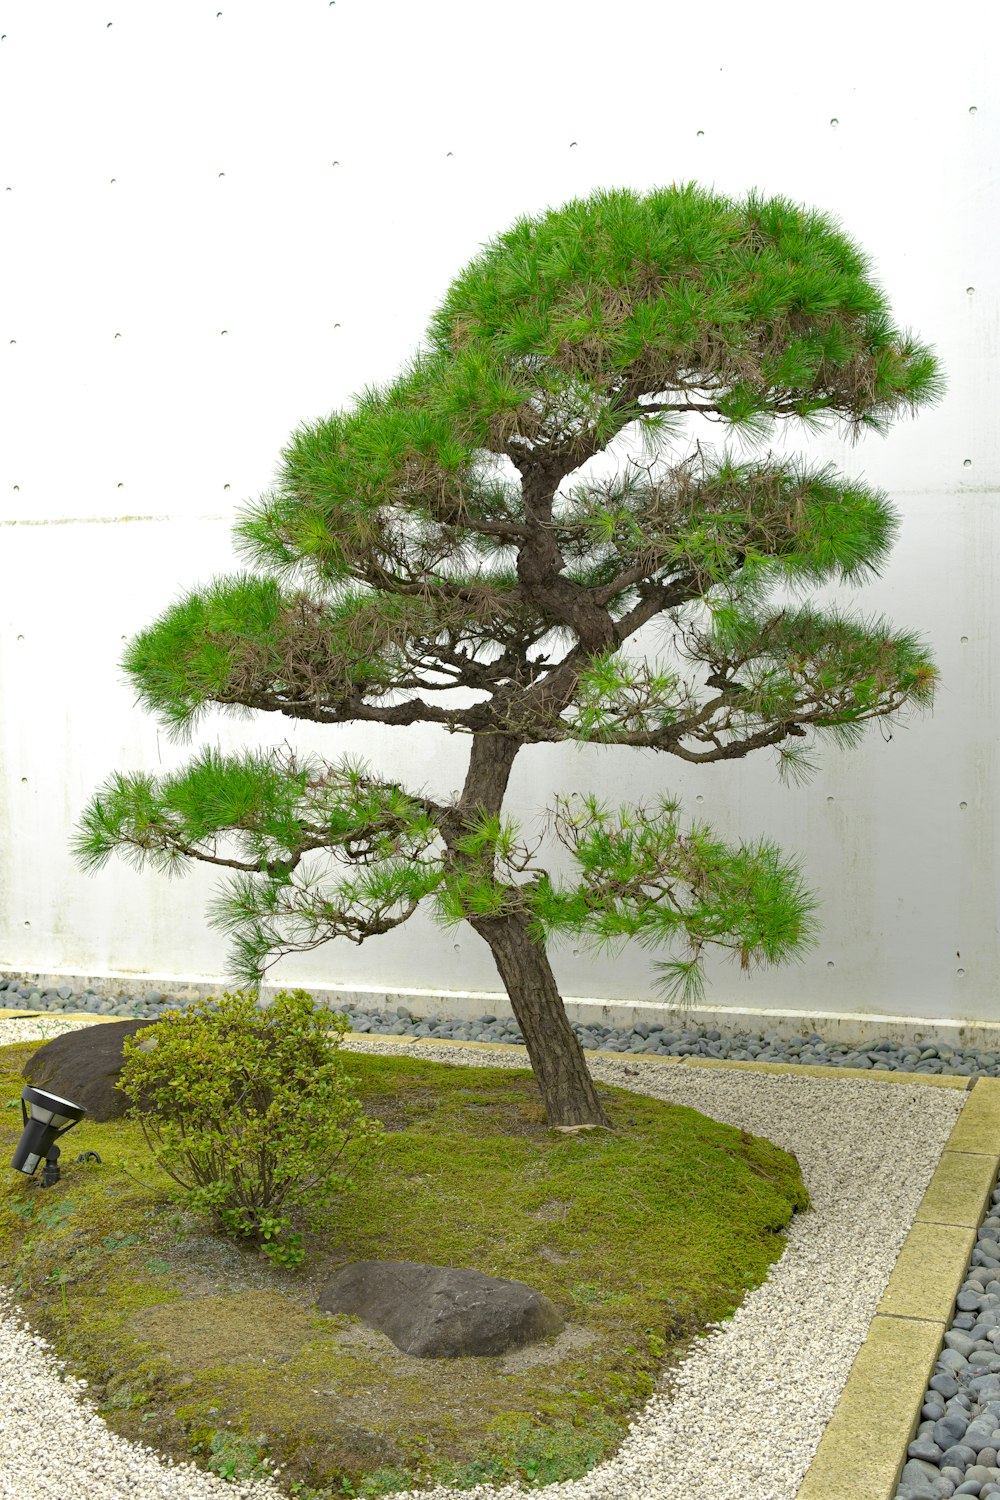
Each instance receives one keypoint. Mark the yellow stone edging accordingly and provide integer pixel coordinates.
(863, 1448)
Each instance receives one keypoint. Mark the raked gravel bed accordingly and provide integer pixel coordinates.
(739, 1420)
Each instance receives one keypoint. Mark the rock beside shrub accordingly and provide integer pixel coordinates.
(84, 1066)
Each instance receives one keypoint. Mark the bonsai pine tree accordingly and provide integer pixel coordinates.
(445, 533)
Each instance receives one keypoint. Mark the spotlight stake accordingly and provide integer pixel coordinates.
(45, 1117)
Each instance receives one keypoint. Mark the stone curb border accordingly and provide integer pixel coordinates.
(878, 1411)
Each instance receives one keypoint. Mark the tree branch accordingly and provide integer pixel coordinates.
(781, 409)
(414, 711)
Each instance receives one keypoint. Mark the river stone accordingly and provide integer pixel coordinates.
(83, 1066)
(979, 1435)
(927, 1449)
(916, 1472)
(949, 1429)
(441, 1312)
(958, 1455)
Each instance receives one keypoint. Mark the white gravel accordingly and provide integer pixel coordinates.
(747, 1407)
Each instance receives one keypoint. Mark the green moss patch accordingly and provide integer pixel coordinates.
(203, 1348)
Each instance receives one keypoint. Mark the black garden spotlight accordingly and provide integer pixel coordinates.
(45, 1117)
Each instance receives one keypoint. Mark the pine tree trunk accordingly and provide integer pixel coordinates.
(560, 1068)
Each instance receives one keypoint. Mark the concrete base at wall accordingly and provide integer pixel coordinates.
(834, 1026)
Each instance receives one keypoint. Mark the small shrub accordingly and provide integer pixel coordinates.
(248, 1111)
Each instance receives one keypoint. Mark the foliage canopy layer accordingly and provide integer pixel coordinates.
(446, 532)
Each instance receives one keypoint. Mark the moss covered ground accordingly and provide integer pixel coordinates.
(203, 1349)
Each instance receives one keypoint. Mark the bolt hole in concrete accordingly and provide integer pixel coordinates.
(966, 463)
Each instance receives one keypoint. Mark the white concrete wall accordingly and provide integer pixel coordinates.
(214, 226)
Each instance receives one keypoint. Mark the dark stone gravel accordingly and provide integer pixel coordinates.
(645, 1038)
(955, 1449)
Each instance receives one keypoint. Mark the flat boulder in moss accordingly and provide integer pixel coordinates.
(84, 1066)
(441, 1312)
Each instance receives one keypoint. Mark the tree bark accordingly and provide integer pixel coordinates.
(557, 1059)
(560, 1068)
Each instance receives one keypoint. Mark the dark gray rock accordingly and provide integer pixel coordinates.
(916, 1473)
(950, 1428)
(927, 1449)
(959, 1455)
(441, 1312)
(83, 1066)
